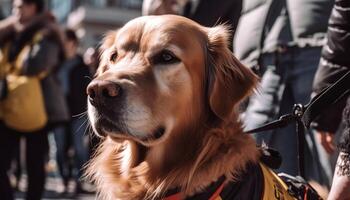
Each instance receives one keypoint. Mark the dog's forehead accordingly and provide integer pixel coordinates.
(160, 22)
(159, 30)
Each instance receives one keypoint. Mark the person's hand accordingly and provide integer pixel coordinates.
(7, 28)
(326, 139)
(9, 21)
(341, 182)
(161, 7)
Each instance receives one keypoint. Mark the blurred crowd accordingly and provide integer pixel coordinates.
(297, 47)
(37, 51)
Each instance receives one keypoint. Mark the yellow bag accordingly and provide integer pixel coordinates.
(24, 108)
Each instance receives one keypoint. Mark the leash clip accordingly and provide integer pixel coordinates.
(298, 110)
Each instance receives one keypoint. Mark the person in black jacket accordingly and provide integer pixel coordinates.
(213, 12)
(335, 62)
(205, 12)
(74, 76)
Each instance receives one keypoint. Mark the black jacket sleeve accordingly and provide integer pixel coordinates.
(335, 62)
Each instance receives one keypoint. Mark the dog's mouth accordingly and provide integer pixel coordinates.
(106, 125)
(120, 132)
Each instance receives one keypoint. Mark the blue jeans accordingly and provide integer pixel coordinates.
(286, 80)
(73, 136)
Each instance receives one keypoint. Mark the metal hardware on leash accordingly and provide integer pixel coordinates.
(283, 121)
(304, 115)
(298, 110)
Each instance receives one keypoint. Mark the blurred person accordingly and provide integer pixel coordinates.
(213, 12)
(91, 59)
(161, 7)
(2, 16)
(282, 41)
(334, 63)
(74, 76)
(205, 12)
(30, 26)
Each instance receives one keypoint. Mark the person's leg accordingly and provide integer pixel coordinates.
(8, 142)
(275, 98)
(78, 130)
(261, 107)
(284, 140)
(60, 135)
(36, 149)
(341, 181)
(18, 161)
(265, 106)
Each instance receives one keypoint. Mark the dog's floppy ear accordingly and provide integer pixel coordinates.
(230, 80)
(107, 43)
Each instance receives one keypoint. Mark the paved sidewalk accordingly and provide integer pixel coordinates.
(79, 197)
(54, 188)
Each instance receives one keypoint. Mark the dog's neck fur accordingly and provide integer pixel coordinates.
(138, 172)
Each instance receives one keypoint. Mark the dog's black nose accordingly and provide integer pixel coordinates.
(100, 91)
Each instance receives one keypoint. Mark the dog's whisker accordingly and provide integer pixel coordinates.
(87, 128)
(88, 77)
(81, 125)
(80, 115)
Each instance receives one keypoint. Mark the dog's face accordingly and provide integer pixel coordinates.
(161, 74)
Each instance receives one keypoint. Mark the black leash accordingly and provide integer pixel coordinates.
(325, 99)
(304, 115)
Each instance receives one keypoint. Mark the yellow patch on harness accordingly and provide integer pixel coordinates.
(274, 187)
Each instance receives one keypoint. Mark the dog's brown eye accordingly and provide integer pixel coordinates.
(113, 57)
(165, 57)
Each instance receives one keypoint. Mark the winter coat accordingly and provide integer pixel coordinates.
(74, 76)
(213, 12)
(45, 56)
(265, 25)
(335, 62)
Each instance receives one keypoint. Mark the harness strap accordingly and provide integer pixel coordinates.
(300, 145)
(176, 196)
(210, 193)
(215, 196)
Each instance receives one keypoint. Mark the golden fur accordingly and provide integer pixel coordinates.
(193, 98)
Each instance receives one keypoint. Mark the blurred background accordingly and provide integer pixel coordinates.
(280, 40)
(90, 18)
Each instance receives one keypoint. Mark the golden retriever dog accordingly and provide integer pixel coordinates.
(165, 101)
